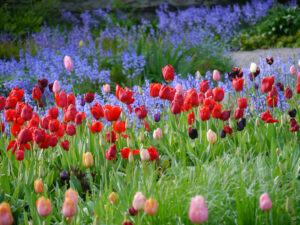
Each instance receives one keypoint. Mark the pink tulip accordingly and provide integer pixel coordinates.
(293, 70)
(70, 193)
(68, 63)
(179, 89)
(198, 212)
(157, 134)
(56, 86)
(43, 206)
(106, 88)
(69, 208)
(265, 201)
(139, 201)
(216, 75)
(6, 217)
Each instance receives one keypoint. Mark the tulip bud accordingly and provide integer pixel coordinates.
(144, 154)
(289, 207)
(43, 206)
(127, 124)
(141, 137)
(238, 151)
(198, 212)
(281, 168)
(293, 70)
(211, 136)
(106, 88)
(216, 75)
(157, 134)
(139, 201)
(6, 217)
(277, 151)
(127, 222)
(231, 123)
(113, 198)
(140, 90)
(265, 202)
(56, 86)
(132, 211)
(198, 74)
(257, 122)
(88, 160)
(101, 140)
(68, 63)
(130, 157)
(69, 207)
(252, 108)
(41, 171)
(253, 67)
(38, 186)
(150, 207)
(129, 145)
(80, 44)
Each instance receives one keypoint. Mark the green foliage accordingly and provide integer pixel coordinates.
(280, 28)
(20, 18)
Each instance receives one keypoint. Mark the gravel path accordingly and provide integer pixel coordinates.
(244, 58)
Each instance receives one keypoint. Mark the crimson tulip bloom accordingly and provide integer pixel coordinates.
(273, 93)
(267, 117)
(112, 113)
(288, 93)
(272, 102)
(298, 88)
(225, 115)
(2, 103)
(65, 145)
(111, 152)
(24, 136)
(124, 95)
(153, 153)
(53, 113)
(71, 99)
(164, 92)
(209, 93)
(216, 112)
(39, 136)
(119, 126)
(52, 140)
(10, 115)
(96, 126)
(45, 122)
(26, 113)
(201, 98)
(242, 103)
(141, 112)
(11, 102)
(192, 98)
(154, 90)
(89, 97)
(204, 113)
(70, 129)
(61, 99)
(36, 93)
(209, 103)
(168, 73)
(238, 113)
(266, 84)
(18, 93)
(204, 86)
(126, 151)
(111, 137)
(53, 125)
(218, 94)
(70, 113)
(238, 84)
(15, 129)
(79, 118)
(97, 111)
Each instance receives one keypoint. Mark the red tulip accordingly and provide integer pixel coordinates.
(97, 111)
(61, 99)
(79, 118)
(65, 145)
(124, 95)
(111, 137)
(238, 84)
(18, 93)
(164, 92)
(89, 97)
(204, 113)
(218, 94)
(267, 117)
(238, 113)
(2, 103)
(191, 118)
(126, 151)
(225, 115)
(36, 93)
(216, 112)
(111, 152)
(19, 155)
(192, 98)
(209, 93)
(112, 113)
(53, 113)
(34, 122)
(26, 113)
(70, 129)
(175, 108)
(272, 102)
(10, 115)
(153, 153)
(141, 112)
(209, 103)
(119, 126)
(168, 73)
(204, 86)
(15, 129)
(266, 84)
(228, 130)
(24, 136)
(201, 98)
(70, 113)
(71, 99)
(11, 102)
(53, 125)
(273, 93)
(96, 126)
(242, 103)
(45, 122)
(288, 93)
(52, 140)
(146, 125)
(154, 90)
(39, 136)
(298, 88)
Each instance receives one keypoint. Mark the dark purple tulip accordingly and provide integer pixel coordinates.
(50, 87)
(251, 76)
(280, 86)
(42, 83)
(256, 86)
(157, 117)
(82, 102)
